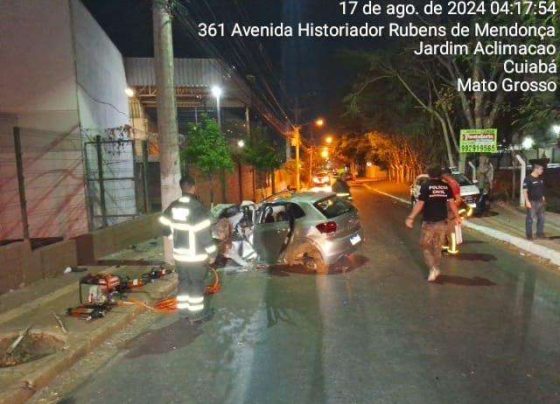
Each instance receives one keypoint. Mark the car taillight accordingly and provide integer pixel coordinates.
(327, 228)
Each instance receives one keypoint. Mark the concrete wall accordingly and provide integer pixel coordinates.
(38, 75)
(10, 214)
(38, 89)
(103, 104)
(100, 243)
(101, 79)
(61, 77)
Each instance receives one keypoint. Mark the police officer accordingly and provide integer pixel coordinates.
(434, 201)
(535, 202)
(187, 223)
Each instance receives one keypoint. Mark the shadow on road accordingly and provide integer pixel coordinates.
(473, 242)
(462, 281)
(171, 338)
(487, 214)
(139, 262)
(346, 265)
(474, 257)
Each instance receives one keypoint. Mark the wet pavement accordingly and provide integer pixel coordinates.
(488, 331)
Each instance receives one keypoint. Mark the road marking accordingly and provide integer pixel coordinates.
(541, 251)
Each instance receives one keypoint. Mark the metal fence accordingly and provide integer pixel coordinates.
(116, 180)
(59, 185)
(42, 185)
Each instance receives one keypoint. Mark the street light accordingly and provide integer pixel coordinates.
(556, 129)
(241, 143)
(319, 122)
(528, 143)
(217, 93)
(129, 92)
(325, 153)
(329, 139)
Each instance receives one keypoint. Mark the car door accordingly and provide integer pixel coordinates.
(271, 230)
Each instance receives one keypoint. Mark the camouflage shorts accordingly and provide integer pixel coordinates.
(431, 241)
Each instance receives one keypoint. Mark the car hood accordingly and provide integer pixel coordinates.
(467, 190)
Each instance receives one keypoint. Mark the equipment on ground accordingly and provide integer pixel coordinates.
(99, 289)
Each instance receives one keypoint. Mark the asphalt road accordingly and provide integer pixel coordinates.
(489, 331)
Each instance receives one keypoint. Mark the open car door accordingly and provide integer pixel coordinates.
(272, 228)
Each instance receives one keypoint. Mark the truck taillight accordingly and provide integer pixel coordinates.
(327, 228)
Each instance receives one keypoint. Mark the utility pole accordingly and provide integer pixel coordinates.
(297, 141)
(166, 109)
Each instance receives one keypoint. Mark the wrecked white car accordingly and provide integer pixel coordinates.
(311, 229)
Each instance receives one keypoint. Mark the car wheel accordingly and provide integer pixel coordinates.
(309, 257)
(313, 261)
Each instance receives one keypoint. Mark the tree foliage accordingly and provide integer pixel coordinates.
(207, 148)
(428, 84)
(261, 154)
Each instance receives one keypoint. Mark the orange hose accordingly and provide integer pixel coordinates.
(216, 286)
(169, 305)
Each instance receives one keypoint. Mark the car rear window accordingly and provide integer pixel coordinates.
(333, 207)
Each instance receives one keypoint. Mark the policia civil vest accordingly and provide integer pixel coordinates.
(188, 223)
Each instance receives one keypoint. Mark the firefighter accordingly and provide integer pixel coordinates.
(187, 222)
(452, 242)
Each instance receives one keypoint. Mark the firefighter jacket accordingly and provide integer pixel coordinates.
(188, 223)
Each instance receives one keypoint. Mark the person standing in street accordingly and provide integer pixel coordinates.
(342, 188)
(452, 239)
(434, 201)
(187, 222)
(535, 202)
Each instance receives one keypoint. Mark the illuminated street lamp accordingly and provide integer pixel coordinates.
(528, 143)
(129, 92)
(217, 93)
(329, 139)
(319, 122)
(325, 153)
(241, 143)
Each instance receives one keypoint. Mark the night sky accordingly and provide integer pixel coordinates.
(309, 69)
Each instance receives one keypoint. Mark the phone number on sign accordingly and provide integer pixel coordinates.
(538, 8)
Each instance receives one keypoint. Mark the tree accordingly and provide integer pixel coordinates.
(207, 149)
(261, 155)
(431, 81)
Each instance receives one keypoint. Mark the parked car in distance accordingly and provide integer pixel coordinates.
(469, 191)
(310, 228)
(321, 178)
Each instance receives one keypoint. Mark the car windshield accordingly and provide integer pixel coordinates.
(462, 180)
(333, 207)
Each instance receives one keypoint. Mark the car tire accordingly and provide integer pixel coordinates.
(311, 259)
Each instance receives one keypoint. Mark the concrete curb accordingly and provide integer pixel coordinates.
(37, 303)
(81, 346)
(535, 249)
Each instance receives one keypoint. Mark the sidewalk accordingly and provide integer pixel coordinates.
(35, 304)
(505, 223)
